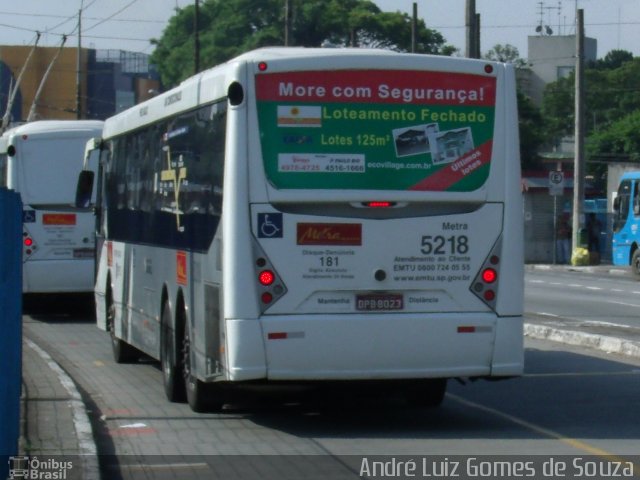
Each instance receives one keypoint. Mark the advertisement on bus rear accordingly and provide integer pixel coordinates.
(376, 129)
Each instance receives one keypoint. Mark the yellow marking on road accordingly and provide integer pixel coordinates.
(98, 363)
(583, 374)
(572, 442)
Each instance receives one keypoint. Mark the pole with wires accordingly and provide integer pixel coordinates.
(12, 94)
(36, 98)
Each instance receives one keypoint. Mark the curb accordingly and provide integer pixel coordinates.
(87, 449)
(571, 337)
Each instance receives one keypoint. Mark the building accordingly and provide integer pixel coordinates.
(110, 81)
(551, 58)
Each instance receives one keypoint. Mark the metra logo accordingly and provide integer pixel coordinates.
(329, 234)
(59, 219)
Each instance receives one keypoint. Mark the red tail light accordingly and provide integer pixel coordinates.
(489, 275)
(266, 277)
(379, 204)
(268, 282)
(486, 283)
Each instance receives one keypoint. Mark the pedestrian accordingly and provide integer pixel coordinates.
(594, 227)
(563, 240)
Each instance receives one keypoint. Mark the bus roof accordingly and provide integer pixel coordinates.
(49, 126)
(631, 175)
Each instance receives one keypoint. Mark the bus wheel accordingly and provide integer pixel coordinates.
(635, 263)
(427, 393)
(122, 351)
(201, 397)
(169, 361)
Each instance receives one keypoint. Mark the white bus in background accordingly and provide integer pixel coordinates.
(316, 216)
(41, 161)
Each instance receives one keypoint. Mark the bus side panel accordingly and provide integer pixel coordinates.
(511, 296)
(508, 354)
(119, 283)
(101, 286)
(245, 347)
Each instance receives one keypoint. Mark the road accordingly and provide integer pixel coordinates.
(570, 402)
(584, 297)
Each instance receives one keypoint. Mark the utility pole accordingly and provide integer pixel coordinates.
(196, 38)
(578, 165)
(78, 67)
(414, 27)
(36, 98)
(287, 22)
(6, 119)
(476, 27)
(470, 29)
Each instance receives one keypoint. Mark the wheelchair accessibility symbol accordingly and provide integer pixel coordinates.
(269, 225)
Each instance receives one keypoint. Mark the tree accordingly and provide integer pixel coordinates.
(529, 117)
(610, 94)
(613, 59)
(618, 142)
(506, 53)
(532, 136)
(228, 28)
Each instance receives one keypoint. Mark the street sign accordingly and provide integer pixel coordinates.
(556, 183)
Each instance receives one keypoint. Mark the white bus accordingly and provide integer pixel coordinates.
(312, 215)
(41, 160)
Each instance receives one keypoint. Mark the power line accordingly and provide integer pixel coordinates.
(111, 16)
(43, 15)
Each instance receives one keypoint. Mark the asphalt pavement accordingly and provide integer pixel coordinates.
(55, 424)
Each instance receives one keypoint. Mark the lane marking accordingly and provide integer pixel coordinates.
(572, 442)
(163, 466)
(582, 374)
(624, 303)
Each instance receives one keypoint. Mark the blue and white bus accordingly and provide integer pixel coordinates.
(626, 220)
(316, 216)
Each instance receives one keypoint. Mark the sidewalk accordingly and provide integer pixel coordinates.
(54, 422)
(54, 425)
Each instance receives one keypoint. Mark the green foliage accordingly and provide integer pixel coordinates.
(532, 135)
(620, 142)
(228, 28)
(613, 59)
(506, 53)
(609, 95)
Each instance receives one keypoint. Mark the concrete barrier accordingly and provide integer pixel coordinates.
(10, 325)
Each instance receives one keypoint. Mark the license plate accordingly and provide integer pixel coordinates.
(374, 302)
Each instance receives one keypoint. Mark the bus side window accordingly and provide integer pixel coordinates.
(636, 199)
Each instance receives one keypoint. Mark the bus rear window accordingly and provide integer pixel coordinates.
(376, 129)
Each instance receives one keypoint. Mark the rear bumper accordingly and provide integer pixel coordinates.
(50, 276)
(374, 347)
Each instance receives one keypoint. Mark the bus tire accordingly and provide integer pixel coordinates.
(170, 363)
(201, 397)
(635, 263)
(122, 351)
(427, 393)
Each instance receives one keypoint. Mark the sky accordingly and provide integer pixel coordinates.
(129, 24)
